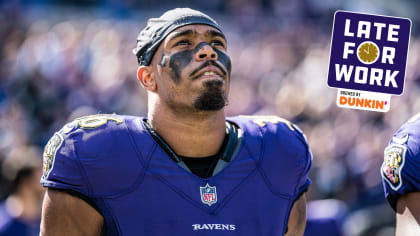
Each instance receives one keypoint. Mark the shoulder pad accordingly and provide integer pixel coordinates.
(105, 152)
(61, 168)
(286, 155)
(278, 125)
(92, 122)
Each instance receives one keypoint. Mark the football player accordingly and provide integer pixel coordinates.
(186, 169)
(400, 173)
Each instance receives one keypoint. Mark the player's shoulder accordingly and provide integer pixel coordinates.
(272, 128)
(95, 148)
(95, 125)
(99, 130)
(402, 154)
(406, 141)
(284, 154)
(410, 129)
(282, 142)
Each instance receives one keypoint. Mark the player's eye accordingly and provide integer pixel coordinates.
(183, 43)
(217, 43)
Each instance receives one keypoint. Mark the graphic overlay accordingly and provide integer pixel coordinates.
(363, 100)
(368, 59)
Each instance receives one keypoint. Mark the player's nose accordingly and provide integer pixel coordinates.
(206, 52)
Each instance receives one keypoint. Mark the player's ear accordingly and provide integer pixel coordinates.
(146, 78)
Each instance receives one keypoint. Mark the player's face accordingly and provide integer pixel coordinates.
(193, 68)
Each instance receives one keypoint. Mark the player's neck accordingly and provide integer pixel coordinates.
(192, 135)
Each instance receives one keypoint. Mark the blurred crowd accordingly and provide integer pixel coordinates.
(62, 61)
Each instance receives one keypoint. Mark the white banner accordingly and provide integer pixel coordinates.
(362, 100)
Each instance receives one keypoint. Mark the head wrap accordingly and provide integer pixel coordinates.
(157, 29)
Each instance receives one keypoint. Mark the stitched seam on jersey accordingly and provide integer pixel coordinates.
(174, 188)
(148, 158)
(287, 216)
(291, 203)
(297, 191)
(132, 188)
(261, 171)
(302, 173)
(136, 184)
(269, 186)
(82, 170)
(251, 154)
(149, 155)
(259, 165)
(234, 191)
(192, 201)
(264, 176)
(308, 163)
(180, 193)
(245, 142)
(109, 209)
(140, 178)
(134, 144)
(90, 186)
(197, 178)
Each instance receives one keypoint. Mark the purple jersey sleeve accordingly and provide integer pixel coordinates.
(305, 163)
(94, 156)
(400, 170)
(61, 167)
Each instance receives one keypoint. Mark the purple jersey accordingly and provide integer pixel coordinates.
(139, 190)
(400, 170)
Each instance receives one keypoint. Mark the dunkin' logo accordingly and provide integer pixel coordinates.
(363, 100)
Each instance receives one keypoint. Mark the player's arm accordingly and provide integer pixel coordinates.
(64, 214)
(408, 214)
(297, 218)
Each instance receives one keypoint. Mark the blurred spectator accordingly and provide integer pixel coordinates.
(21, 211)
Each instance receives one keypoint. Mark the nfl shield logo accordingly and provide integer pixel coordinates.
(208, 194)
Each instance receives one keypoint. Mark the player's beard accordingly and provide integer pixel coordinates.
(213, 98)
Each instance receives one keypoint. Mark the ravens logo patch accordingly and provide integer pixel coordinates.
(50, 151)
(394, 157)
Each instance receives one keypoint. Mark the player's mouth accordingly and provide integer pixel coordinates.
(209, 69)
(207, 73)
